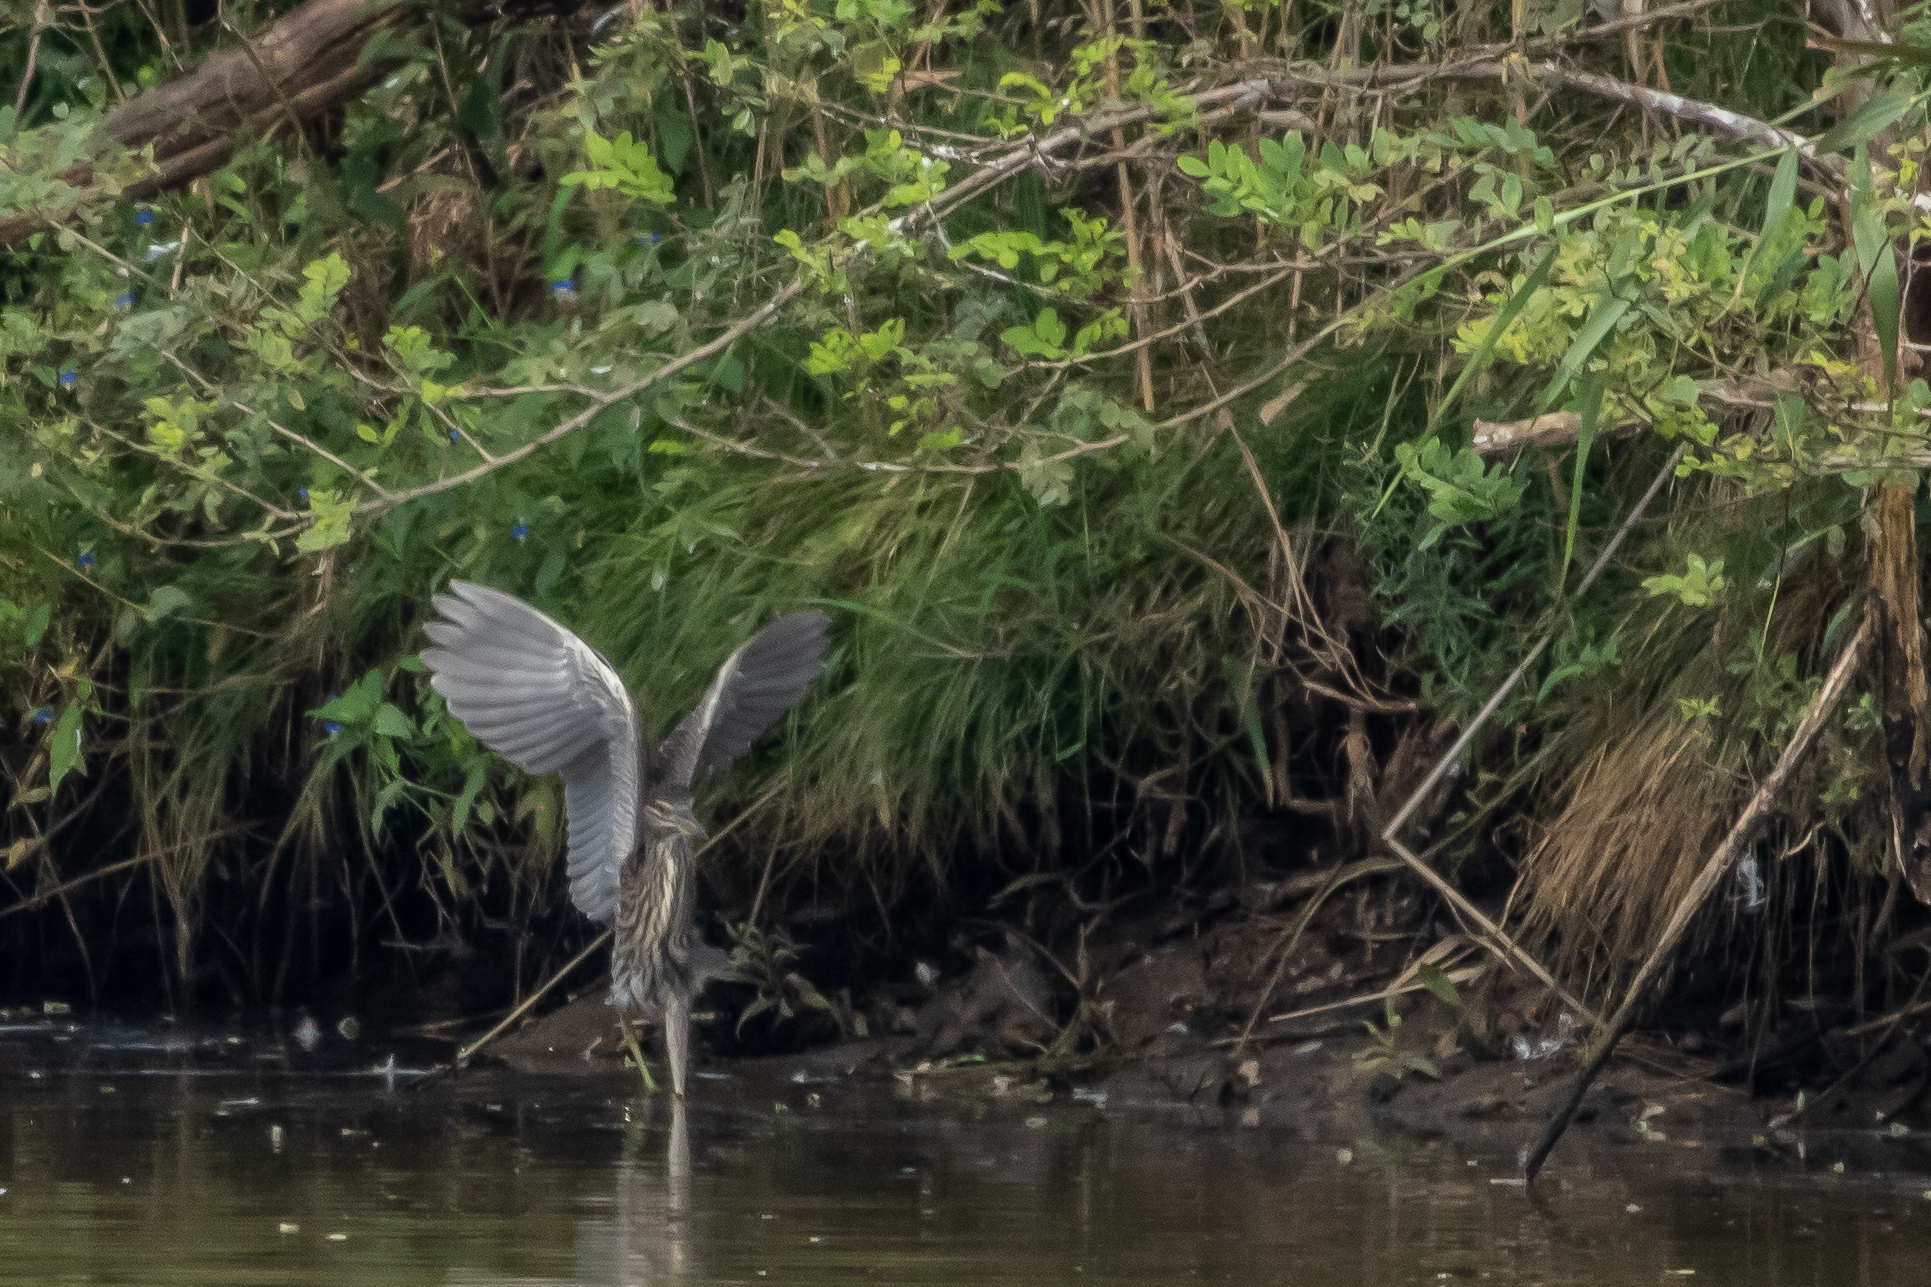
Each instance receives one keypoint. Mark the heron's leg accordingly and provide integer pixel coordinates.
(637, 1055)
(677, 1042)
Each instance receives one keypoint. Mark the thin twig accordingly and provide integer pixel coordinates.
(35, 900)
(33, 53)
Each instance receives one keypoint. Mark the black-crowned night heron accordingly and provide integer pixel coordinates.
(532, 691)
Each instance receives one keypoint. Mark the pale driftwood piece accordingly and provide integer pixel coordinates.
(1735, 124)
(1603, 1043)
(1561, 428)
(1493, 437)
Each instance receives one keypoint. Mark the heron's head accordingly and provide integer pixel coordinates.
(672, 814)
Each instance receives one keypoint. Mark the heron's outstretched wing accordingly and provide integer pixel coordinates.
(529, 689)
(756, 684)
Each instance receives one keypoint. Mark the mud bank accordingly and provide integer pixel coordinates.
(1330, 1091)
(1336, 1088)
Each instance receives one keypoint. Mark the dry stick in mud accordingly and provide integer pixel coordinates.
(1499, 942)
(1603, 1042)
(462, 1056)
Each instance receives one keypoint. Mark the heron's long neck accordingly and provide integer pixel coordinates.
(654, 899)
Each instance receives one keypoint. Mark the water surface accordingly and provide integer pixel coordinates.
(136, 1158)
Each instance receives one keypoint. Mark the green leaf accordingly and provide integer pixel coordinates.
(1436, 981)
(391, 722)
(1250, 719)
(323, 281)
(1885, 302)
(1700, 585)
(37, 624)
(357, 705)
(1530, 285)
(164, 601)
(473, 784)
(1783, 194)
(1591, 408)
(1607, 313)
(384, 800)
(1865, 124)
(64, 753)
(331, 526)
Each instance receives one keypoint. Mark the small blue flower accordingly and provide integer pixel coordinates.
(302, 492)
(455, 436)
(563, 289)
(143, 218)
(43, 716)
(68, 379)
(330, 727)
(84, 561)
(124, 300)
(650, 238)
(519, 532)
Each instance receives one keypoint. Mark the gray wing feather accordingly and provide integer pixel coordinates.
(756, 684)
(529, 689)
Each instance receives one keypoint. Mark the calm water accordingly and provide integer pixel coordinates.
(131, 1159)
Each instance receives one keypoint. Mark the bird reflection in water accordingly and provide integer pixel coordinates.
(648, 1238)
(640, 1234)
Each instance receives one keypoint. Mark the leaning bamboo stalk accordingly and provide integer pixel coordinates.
(1602, 1043)
(1129, 224)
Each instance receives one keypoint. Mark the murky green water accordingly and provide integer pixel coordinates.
(207, 1161)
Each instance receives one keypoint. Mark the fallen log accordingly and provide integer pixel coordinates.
(294, 69)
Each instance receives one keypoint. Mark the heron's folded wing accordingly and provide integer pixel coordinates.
(528, 688)
(756, 684)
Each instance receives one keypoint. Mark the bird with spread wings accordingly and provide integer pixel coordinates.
(528, 688)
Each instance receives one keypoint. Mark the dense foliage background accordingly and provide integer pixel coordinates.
(1144, 389)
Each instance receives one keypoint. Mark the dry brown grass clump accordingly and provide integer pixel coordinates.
(1641, 817)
